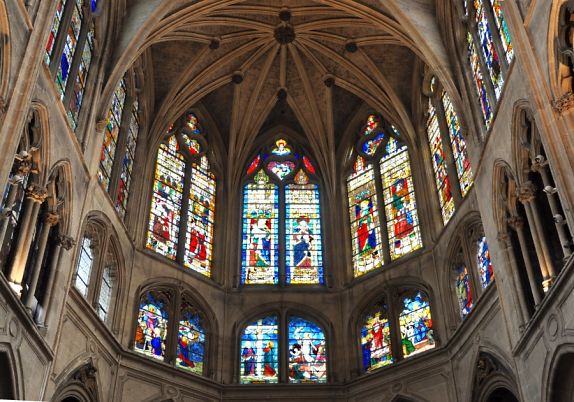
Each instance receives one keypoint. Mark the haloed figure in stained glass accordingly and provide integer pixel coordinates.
(199, 224)
(152, 327)
(404, 220)
(376, 340)
(366, 235)
(302, 250)
(416, 324)
(307, 352)
(260, 234)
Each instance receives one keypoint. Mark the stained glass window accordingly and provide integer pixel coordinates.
(474, 61)
(285, 176)
(56, 22)
(105, 295)
(199, 238)
(307, 352)
(69, 47)
(458, 144)
(376, 339)
(439, 165)
(125, 179)
(84, 268)
(362, 194)
(416, 324)
(500, 22)
(180, 167)
(259, 360)
(111, 134)
(260, 231)
(488, 49)
(81, 78)
(167, 198)
(190, 340)
(463, 290)
(151, 330)
(484, 263)
(400, 205)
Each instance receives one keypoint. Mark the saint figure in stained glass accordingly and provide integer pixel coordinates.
(463, 290)
(190, 341)
(259, 359)
(151, 328)
(416, 324)
(376, 339)
(484, 263)
(307, 352)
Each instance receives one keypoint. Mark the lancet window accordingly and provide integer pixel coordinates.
(282, 235)
(119, 143)
(261, 345)
(451, 165)
(97, 275)
(397, 326)
(181, 224)
(70, 50)
(171, 328)
(382, 203)
(489, 50)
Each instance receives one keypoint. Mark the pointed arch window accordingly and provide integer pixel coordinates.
(69, 52)
(388, 188)
(282, 234)
(398, 325)
(487, 38)
(183, 200)
(119, 144)
(451, 165)
(261, 346)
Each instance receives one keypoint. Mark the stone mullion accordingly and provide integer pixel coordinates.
(66, 243)
(14, 184)
(56, 56)
(517, 224)
(173, 329)
(447, 149)
(392, 300)
(121, 148)
(282, 254)
(50, 220)
(283, 346)
(541, 166)
(77, 58)
(382, 213)
(183, 217)
(35, 196)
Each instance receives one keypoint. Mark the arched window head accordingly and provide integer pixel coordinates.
(415, 323)
(108, 286)
(183, 201)
(69, 52)
(388, 187)
(282, 196)
(152, 324)
(190, 339)
(259, 351)
(376, 338)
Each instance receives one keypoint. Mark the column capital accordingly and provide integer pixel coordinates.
(515, 222)
(564, 103)
(24, 162)
(503, 237)
(539, 164)
(526, 192)
(66, 242)
(37, 193)
(52, 218)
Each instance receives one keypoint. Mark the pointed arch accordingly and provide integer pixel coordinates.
(491, 374)
(5, 56)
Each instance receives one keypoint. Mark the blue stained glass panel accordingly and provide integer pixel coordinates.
(151, 331)
(190, 341)
(479, 82)
(484, 263)
(376, 339)
(488, 49)
(463, 290)
(416, 324)
(259, 359)
(54, 29)
(307, 352)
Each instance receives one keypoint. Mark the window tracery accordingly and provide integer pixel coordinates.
(182, 212)
(69, 52)
(398, 325)
(170, 327)
(282, 219)
(390, 188)
(487, 38)
(261, 344)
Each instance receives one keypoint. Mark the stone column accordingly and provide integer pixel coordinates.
(66, 243)
(24, 166)
(506, 245)
(526, 195)
(517, 224)
(34, 197)
(50, 221)
(541, 166)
